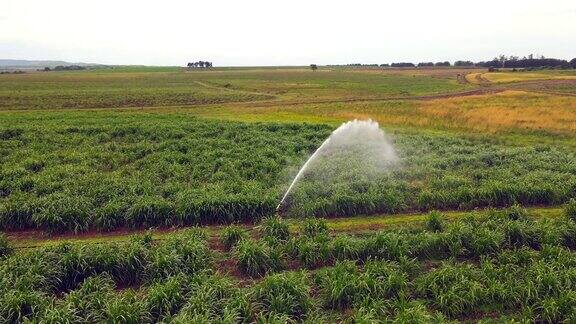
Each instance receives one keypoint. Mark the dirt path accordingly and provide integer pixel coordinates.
(482, 80)
(461, 78)
(261, 104)
(224, 88)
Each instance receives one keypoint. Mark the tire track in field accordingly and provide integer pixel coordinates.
(475, 92)
(211, 86)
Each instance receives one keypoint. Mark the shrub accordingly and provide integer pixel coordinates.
(59, 313)
(256, 259)
(5, 248)
(166, 298)
(150, 211)
(231, 235)
(570, 210)
(285, 293)
(16, 212)
(314, 252)
(186, 253)
(61, 212)
(346, 247)
(383, 280)
(313, 227)
(18, 305)
(417, 312)
(338, 286)
(126, 307)
(111, 216)
(276, 228)
(214, 298)
(516, 212)
(34, 165)
(434, 222)
(89, 300)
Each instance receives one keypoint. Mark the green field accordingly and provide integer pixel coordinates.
(131, 148)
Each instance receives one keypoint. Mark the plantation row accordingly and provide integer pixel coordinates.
(500, 264)
(77, 171)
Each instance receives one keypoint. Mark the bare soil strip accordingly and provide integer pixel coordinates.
(358, 224)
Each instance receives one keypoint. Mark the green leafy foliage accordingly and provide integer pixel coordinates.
(255, 259)
(231, 235)
(275, 228)
(313, 227)
(285, 294)
(147, 170)
(434, 222)
(514, 268)
(570, 210)
(5, 248)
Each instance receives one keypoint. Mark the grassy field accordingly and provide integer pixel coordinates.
(82, 170)
(508, 76)
(125, 88)
(494, 266)
(131, 148)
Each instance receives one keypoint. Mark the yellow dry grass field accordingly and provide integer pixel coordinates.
(506, 77)
(510, 110)
(505, 112)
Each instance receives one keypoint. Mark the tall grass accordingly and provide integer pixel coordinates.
(286, 294)
(231, 235)
(570, 210)
(275, 228)
(434, 222)
(5, 247)
(146, 170)
(513, 268)
(214, 299)
(255, 259)
(313, 227)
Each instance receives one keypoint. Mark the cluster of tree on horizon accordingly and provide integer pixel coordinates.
(502, 61)
(65, 68)
(199, 64)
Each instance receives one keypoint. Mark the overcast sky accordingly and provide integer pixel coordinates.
(274, 32)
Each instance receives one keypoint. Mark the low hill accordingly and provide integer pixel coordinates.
(34, 64)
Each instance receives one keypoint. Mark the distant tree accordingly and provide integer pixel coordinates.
(445, 63)
(313, 67)
(463, 63)
(502, 59)
(69, 68)
(402, 64)
(46, 69)
(421, 64)
(573, 63)
(201, 64)
(384, 65)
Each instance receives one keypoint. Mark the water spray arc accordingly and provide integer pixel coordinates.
(357, 134)
(301, 172)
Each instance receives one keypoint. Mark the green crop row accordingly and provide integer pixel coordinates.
(502, 265)
(78, 171)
